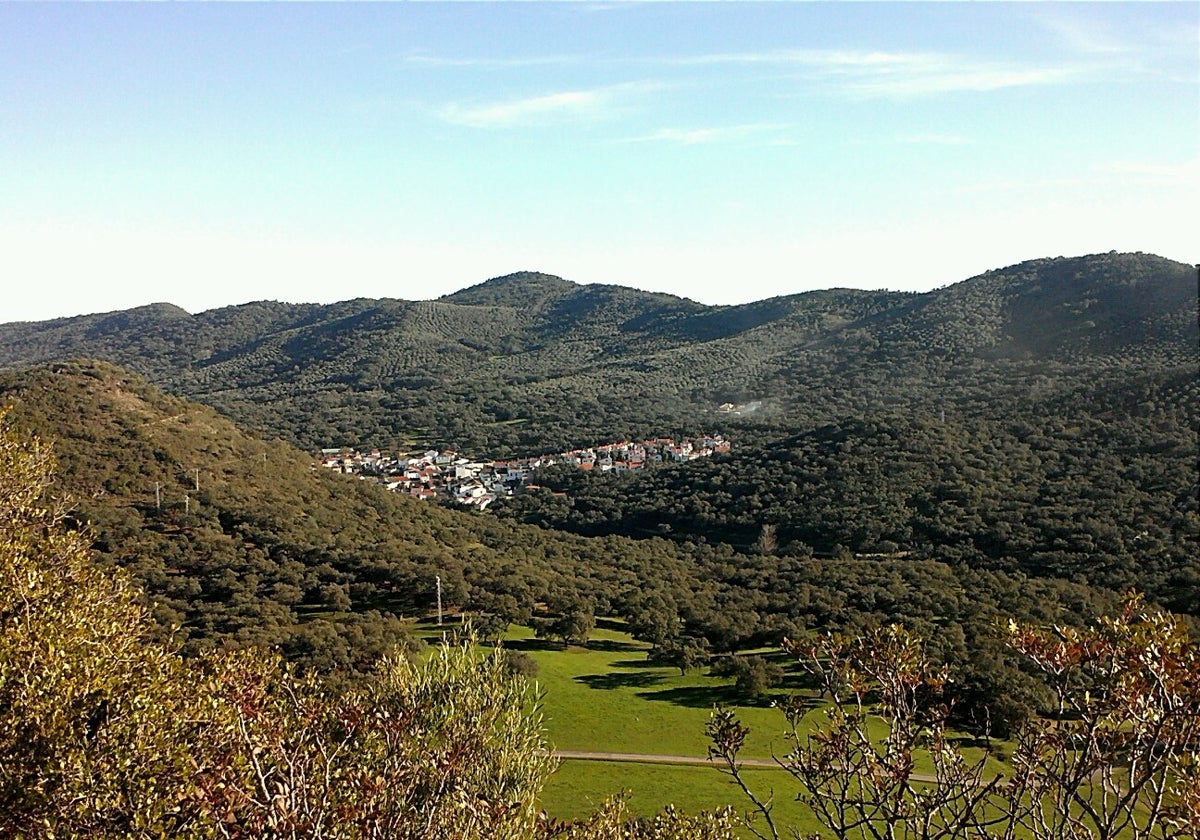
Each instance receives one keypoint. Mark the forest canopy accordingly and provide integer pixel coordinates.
(1021, 443)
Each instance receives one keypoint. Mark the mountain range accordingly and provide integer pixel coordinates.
(1021, 443)
(531, 362)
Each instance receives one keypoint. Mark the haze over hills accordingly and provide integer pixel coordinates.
(534, 362)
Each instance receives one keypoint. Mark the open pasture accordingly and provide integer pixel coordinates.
(608, 697)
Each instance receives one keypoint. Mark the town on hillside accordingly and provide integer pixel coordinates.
(478, 482)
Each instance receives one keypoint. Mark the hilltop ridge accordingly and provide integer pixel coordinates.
(521, 288)
(530, 361)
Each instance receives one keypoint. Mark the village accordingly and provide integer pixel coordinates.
(478, 482)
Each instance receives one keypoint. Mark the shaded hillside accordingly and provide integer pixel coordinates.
(1098, 484)
(533, 362)
(1108, 305)
(268, 550)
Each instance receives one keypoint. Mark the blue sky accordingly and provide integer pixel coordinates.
(209, 155)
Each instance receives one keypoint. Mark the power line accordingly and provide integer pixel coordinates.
(439, 598)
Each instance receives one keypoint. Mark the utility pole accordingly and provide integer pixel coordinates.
(187, 504)
(439, 597)
(197, 472)
(157, 496)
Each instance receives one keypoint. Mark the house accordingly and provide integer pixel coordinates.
(479, 482)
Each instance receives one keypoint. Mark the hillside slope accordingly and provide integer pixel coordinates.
(270, 551)
(241, 541)
(534, 362)
(1097, 485)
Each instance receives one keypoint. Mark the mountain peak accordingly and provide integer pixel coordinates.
(522, 288)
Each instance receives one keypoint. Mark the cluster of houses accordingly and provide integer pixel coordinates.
(477, 483)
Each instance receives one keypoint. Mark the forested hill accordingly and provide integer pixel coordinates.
(240, 541)
(1101, 487)
(269, 550)
(533, 362)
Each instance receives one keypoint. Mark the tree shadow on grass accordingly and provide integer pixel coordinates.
(800, 681)
(638, 663)
(706, 697)
(966, 740)
(532, 644)
(612, 646)
(619, 680)
(697, 696)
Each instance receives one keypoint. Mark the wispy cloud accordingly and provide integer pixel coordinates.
(1021, 186)
(926, 79)
(1143, 35)
(932, 139)
(1081, 34)
(512, 112)
(568, 105)
(712, 134)
(895, 74)
(1188, 170)
(422, 59)
(1108, 175)
(925, 74)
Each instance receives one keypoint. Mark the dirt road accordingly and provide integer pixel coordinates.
(642, 758)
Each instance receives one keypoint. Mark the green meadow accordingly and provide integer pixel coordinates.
(608, 697)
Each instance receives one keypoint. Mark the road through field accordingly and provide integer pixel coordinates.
(642, 758)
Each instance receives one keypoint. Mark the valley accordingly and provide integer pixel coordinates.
(1020, 445)
(477, 482)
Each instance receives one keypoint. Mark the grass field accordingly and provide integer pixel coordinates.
(580, 786)
(607, 697)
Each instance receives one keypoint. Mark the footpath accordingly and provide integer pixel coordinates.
(642, 758)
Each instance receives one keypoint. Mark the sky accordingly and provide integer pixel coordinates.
(214, 154)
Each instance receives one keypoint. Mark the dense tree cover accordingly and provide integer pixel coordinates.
(1020, 443)
(270, 551)
(1098, 487)
(106, 733)
(534, 363)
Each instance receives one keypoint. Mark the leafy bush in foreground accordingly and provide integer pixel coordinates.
(1116, 756)
(107, 734)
